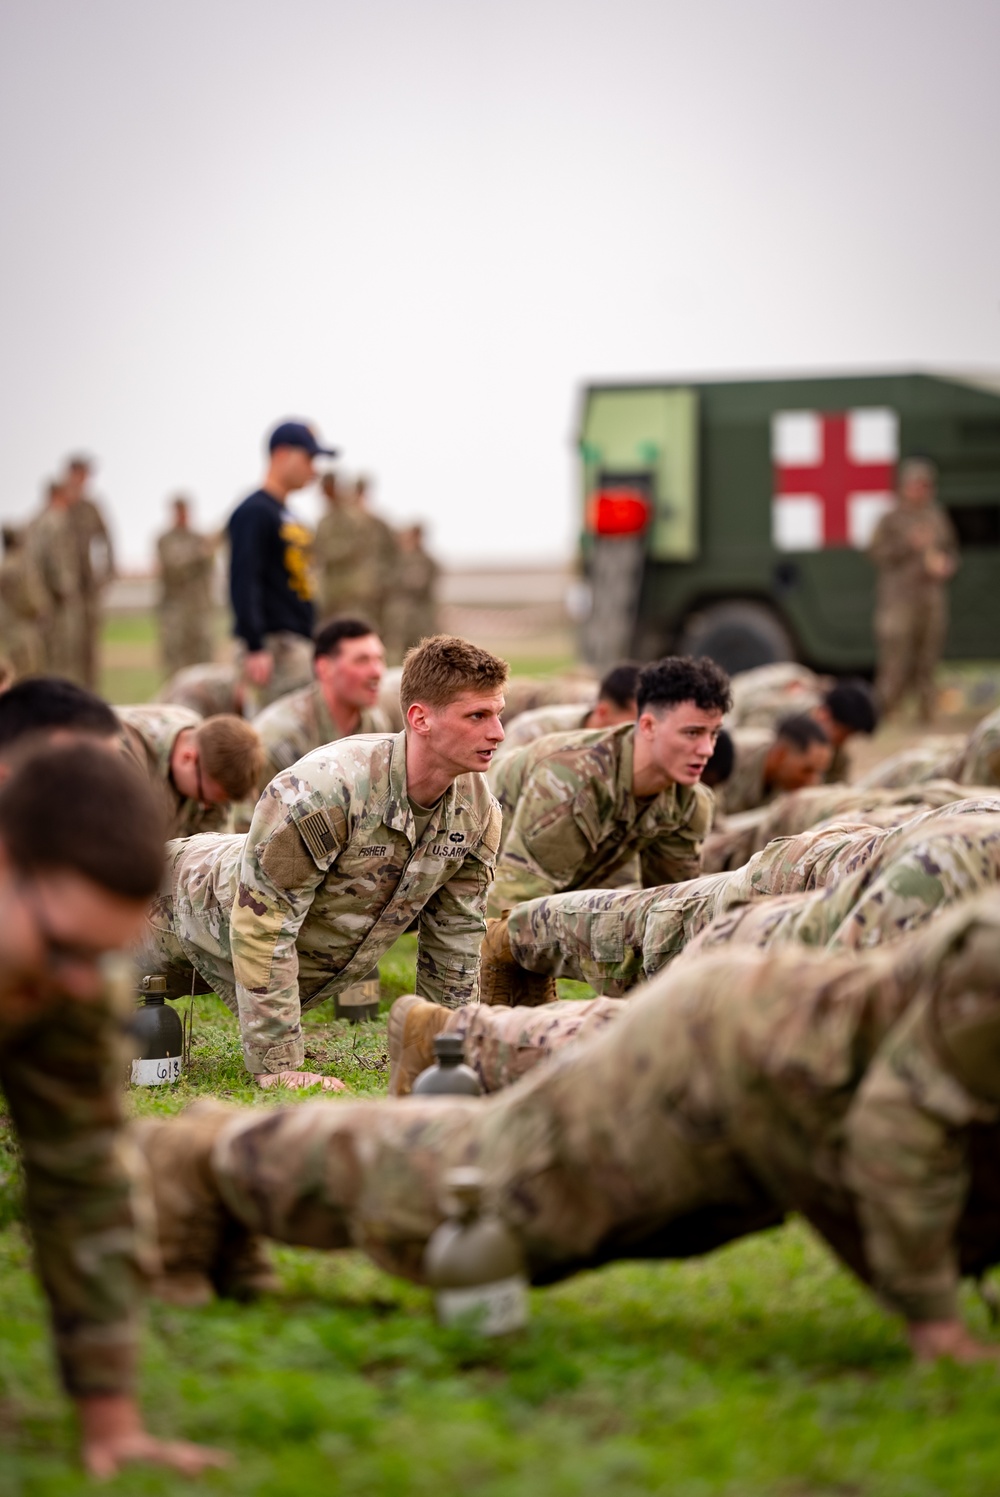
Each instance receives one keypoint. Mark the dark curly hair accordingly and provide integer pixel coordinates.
(678, 678)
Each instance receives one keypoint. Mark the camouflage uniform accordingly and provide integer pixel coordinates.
(52, 546)
(615, 940)
(296, 724)
(61, 1069)
(539, 722)
(974, 760)
(149, 734)
(525, 693)
(763, 696)
(331, 873)
(576, 820)
(747, 833)
(186, 607)
(355, 556)
(937, 859)
(205, 689)
(745, 789)
(410, 611)
(862, 1093)
(911, 608)
(24, 605)
(96, 564)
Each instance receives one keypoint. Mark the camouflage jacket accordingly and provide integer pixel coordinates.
(971, 760)
(52, 548)
(61, 1069)
(745, 788)
(205, 689)
(330, 874)
(93, 540)
(576, 820)
(539, 722)
(186, 566)
(296, 724)
(903, 577)
(615, 940)
(149, 734)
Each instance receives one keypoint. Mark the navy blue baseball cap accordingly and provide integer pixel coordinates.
(298, 434)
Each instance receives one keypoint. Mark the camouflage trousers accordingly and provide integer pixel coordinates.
(503, 1044)
(293, 667)
(185, 633)
(910, 635)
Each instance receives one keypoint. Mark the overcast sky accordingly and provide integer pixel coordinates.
(422, 223)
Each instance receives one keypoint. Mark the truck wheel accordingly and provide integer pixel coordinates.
(737, 636)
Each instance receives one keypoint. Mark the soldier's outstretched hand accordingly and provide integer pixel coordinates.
(933, 1339)
(113, 1435)
(299, 1080)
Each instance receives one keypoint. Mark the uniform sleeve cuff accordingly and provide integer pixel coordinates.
(88, 1369)
(274, 1058)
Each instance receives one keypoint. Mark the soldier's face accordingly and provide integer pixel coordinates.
(56, 928)
(795, 770)
(354, 674)
(464, 735)
(680, 740)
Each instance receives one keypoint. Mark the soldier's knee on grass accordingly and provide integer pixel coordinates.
(502, 980)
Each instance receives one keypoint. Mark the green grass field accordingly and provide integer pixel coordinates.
(762, 1371)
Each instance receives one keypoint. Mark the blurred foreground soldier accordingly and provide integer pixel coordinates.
(770, 762)
(206, 689)
(54, 550)
(200, 766)
(348, 663)
(749, 831)
(933, 861)
(24, 606)
(615, 704)
(862, 1094)
(186, 606)
(915, 551)
(355, 553)
(95, 559)
(580, 805)
(345, 850)
(763, 697)
(410, 605)
(269, 581)
(81, 849)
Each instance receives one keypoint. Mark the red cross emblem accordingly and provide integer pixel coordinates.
(833, 476)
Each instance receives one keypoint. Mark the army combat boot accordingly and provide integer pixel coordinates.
(203, 1249)
(413, 1024)
(502, 980)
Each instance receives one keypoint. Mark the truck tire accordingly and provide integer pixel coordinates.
(737, 636)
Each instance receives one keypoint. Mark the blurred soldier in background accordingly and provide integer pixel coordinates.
(23, 606)
(410, 608)
(206, 689)
(770, 761)
(915, 550)
(200, 766)
(615, 704)
(355, 554)
(54, 548)
(95, 560)
(762, 697)
(186, 605)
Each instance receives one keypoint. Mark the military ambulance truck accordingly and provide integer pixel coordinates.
(731, 518)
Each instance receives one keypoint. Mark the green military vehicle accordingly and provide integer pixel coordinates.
(731, 518)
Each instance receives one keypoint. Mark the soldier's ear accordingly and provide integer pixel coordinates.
(418, 718)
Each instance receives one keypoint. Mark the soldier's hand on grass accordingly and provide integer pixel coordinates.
(932, 1339)
(258, 666)
(297, 1080)
(113, 1435)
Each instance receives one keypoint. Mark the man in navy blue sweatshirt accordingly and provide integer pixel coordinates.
(269, 581)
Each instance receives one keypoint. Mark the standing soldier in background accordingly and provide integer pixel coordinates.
(410, 608)
(23, 606)
(355, 554)
(186, 605)
(95, 561)
(53, 548)
(915, 550)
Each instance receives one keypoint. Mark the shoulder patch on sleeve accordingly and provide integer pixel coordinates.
(286, 859)
(323, 832)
